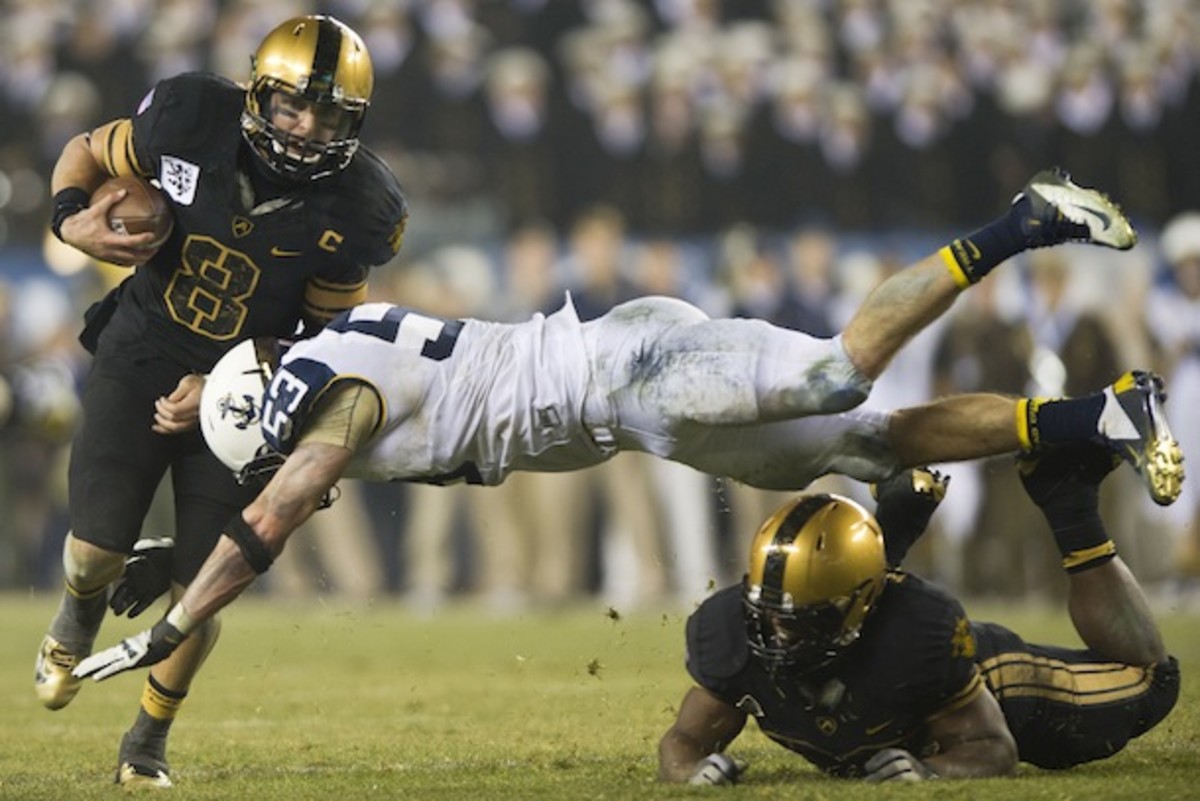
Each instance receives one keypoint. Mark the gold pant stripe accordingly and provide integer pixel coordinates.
(1080, 684)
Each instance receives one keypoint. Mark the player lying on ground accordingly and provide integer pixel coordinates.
(389, 394)
(871, 672)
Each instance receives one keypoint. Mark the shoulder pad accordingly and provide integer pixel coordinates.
(716, 637)
(289, 399)
(194, 116)
(368, 202)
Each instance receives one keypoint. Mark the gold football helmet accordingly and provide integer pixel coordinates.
(317, 61)
(816, 569)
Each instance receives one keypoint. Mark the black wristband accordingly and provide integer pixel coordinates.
(71, 200)
(253, 548)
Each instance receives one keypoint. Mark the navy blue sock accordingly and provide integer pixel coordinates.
(1060, 422)
(976, 254)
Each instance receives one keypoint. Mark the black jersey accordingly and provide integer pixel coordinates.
(915, 658)
(233, 269)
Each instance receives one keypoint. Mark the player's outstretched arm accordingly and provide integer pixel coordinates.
(692, 750)
(249, 544)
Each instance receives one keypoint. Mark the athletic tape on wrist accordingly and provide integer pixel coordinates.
(253, 548)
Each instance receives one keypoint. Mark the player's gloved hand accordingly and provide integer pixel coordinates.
(147, 576)
(905, 503)
(896, 764)
(717, 769)
(141, 650)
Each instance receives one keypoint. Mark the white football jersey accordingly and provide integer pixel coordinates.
(463, 400)
(467, 400)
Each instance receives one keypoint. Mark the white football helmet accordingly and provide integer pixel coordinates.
(231, 408)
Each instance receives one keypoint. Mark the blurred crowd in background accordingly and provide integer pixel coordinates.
(767, 158)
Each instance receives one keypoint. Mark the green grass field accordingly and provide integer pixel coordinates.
(325, 702)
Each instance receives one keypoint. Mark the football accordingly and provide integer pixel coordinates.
(143, 209)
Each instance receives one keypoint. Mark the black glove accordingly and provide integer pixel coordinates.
(141, 650)
(896, 764)
(147, 576)
(717, 769)
(905, 503)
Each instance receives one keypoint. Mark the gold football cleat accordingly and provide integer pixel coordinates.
(1135, 426)
(52, 679)
(133, 777)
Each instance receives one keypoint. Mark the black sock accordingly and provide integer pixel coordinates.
(975, 255)
(1079, 533)
(1059, 422)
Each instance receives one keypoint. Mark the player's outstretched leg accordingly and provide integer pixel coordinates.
(1051, 209)
(1127, 417)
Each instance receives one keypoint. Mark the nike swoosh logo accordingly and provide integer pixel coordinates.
(1099, 215)
(873, 730)
(975, 254)
(280, 252)
(1134, 457)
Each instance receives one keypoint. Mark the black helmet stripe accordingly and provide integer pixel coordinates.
(775, 564)
(326, 56)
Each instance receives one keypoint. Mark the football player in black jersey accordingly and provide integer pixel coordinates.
(868, 671)
(279, 213)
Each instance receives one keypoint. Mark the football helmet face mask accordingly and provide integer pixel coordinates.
(308, 64)
(231, 410)
(817, 566)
